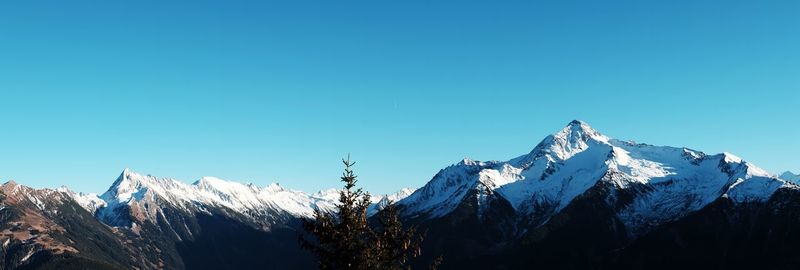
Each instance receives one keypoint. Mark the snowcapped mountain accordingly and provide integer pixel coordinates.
(40, 226)
(579, 199)
(147, 195)
(670, 181)
(167, 216)
(89, 201)
(264, 204)
(790, 177)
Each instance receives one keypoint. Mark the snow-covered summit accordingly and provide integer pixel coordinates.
(449, 187)
(576, 137)
(270, 201)
(138, 192)
(567, 163)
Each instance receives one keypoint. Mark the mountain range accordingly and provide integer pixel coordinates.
(577, 200)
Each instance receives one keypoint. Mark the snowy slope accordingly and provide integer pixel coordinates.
(381, 201)
(264, 204)
(666, 182)
(566, 164)
(209, 192)
(89, 201)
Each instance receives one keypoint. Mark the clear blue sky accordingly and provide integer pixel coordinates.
(263, 91)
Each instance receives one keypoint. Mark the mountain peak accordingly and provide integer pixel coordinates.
(580, 129)
(576, 137)
(126, 174)
(274, 187)
(131, 184)
(468, 161)
(728, 157)
(577, 122)
(209, 181)
(9, 186)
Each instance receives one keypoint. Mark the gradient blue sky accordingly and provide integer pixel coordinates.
(262, 91)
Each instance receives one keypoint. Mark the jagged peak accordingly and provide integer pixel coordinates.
(10, 183)
(737, 165)
(210, 181)
(578, 124)
(728, 157)
(274, 187)
(127, 175)
(10, 186)
(579, 130)
(469, 162)
(405, 191)
(66, 189)
(131, 184)
(574, 138)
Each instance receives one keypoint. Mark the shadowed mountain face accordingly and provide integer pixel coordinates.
(578, 200)
(723, 235)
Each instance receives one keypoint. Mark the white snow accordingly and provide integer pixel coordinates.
(541, 177)
(664, 183)
(89, 201)
(445, 190)
(258, 203)
(566, 164)
(381, 201)
(756, 188)
(247, 199)
(28, 255)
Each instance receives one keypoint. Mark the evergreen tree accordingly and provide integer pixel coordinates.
(394, 243)
(345, 239)
(344, 236)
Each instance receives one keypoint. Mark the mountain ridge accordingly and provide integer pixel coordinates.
(574, 184)
(567, 163)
